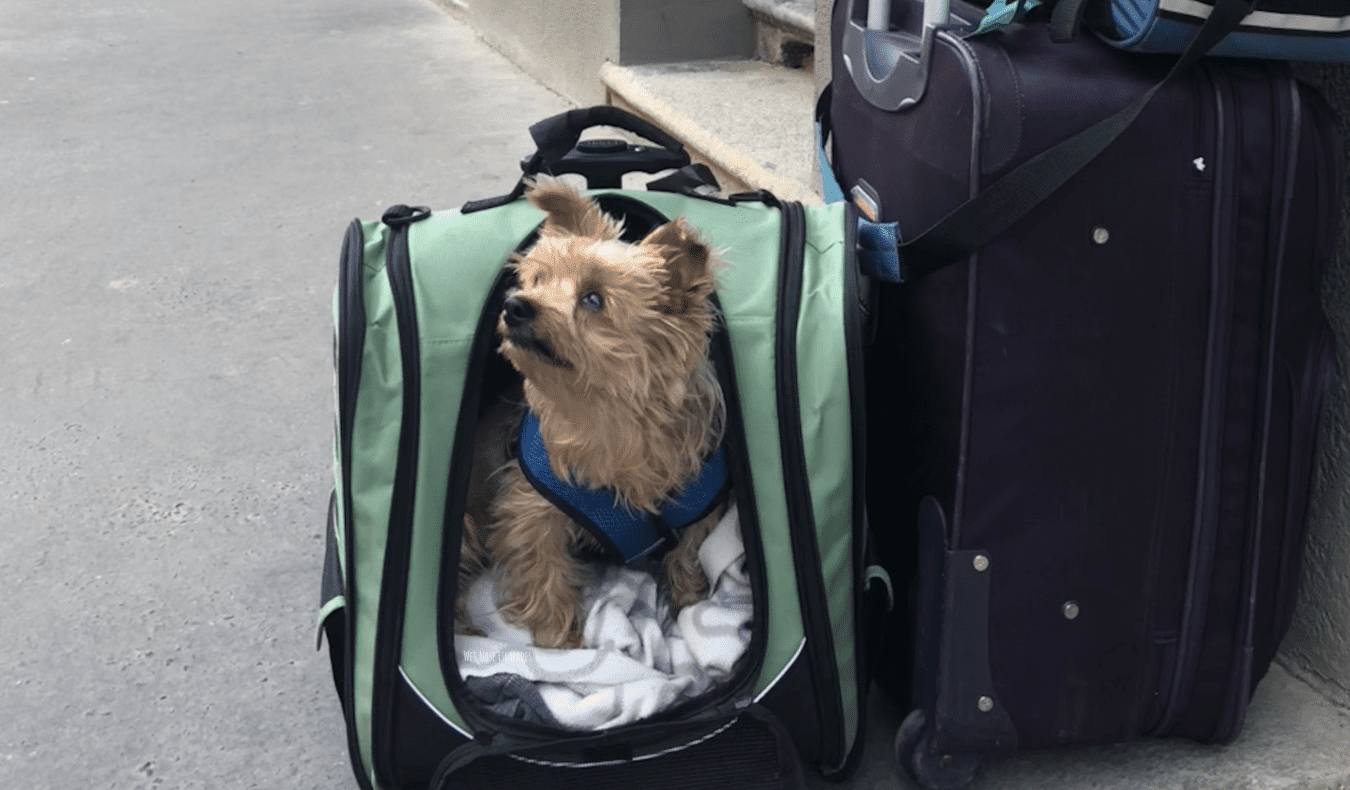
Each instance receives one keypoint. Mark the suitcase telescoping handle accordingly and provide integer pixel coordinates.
(602, 162)
(890, 67)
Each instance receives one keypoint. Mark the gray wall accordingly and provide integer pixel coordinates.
(563, 43)
(670, 31)
(1318, 646)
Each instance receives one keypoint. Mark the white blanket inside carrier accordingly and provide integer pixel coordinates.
(634, 660)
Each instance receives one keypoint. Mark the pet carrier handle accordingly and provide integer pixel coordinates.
(559, 134)
(603, 162)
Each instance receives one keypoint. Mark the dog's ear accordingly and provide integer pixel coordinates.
(687, 262)
(569, 212)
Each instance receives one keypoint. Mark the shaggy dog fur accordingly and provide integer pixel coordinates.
(611, 340)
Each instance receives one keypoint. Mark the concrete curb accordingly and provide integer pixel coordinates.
(733, 168)
(798, 17)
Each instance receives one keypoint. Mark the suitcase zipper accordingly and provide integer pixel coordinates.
(1196, 599)
(1316, 377)
(1285, 143)
(1286, 137)
(801, 520)
(1303, 453)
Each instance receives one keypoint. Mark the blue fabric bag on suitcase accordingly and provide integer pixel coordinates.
(1277, 29)
(1272, 29)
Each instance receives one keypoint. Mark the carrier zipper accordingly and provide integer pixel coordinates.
(801, 520)
(461, 467)
(350, 346)
(743, 489)
(721, 706)
(854, 334)
(393, 590)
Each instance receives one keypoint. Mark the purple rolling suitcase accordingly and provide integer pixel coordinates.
(1091, 442)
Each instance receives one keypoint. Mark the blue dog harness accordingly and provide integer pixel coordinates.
(625, 534)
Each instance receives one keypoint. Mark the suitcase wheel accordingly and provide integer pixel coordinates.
(914, 752)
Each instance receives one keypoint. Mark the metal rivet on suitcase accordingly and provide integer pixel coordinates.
(1070, 610)
(1101, 235)
(985, 704)
(981, 563)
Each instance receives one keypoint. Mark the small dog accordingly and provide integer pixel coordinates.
(611, 340)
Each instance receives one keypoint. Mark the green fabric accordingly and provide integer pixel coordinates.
(748, 238)
(379, 405)
(456, 258)
(826, 423)
(451, 280)
(876, 573)
(332, 605)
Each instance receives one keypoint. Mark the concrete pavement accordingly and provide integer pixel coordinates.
(177, 177)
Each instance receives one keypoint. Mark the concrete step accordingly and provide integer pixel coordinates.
(750, 121)
(785, 31)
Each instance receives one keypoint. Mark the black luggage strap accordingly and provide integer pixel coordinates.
(998, 207)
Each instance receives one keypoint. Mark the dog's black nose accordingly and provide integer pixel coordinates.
(517, 311)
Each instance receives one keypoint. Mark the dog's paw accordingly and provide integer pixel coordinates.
(685, 582)
(687, 593)
(468, 629)
(463, 622)
(566, 637)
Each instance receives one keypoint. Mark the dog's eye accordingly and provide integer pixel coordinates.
(592, 301)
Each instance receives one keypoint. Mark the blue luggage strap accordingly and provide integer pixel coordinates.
(625, 534)
(878, 242)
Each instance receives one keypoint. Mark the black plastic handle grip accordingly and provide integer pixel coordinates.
(558, 135)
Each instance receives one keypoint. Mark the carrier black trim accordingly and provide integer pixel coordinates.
(710, 710)
(350, 347)
(811, 593)
(398, 543)
(854, 307)
(457, 488)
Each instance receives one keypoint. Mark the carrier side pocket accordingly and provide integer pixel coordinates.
(333, 605)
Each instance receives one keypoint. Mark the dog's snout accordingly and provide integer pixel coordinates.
(517, 311)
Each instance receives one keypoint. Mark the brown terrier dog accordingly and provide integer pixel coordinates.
(611, 339)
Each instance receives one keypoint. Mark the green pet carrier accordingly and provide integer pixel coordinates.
(416, 310)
